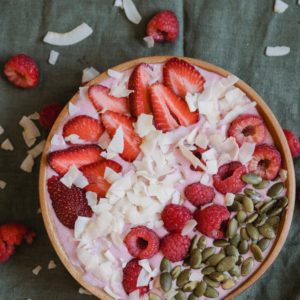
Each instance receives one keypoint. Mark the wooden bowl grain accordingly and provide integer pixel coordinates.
(280, 142)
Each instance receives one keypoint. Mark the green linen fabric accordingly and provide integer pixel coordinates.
(232, 34)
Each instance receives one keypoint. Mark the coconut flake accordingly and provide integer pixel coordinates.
(149, 40)
(36, 270)
(223, 158)
(143, 279)
(234, 95)
(115, 74)
(146, 297)
(39, 211)
(246, 152)
(7, 145)
(188, 227)
(283, 174)
(117, 143)
(73, 109)
(111, 176)
(205, 179)
(191, 157)
(229, 81)
(280, 6)
(145, 264)
(109, 256)
(34, 116)
(111, 293)
(80, 225)
(159, 224)
(191, 101)
(170, 294)
(277, 51)
(149, 142)
(51, 265)
(118, 3)
(205, 107)
(74, 139)
(38, 149)
(195, 276)
(131, 12)
(229, 198)
(55, 140)
(206, 205)
(119, 91)
(53, 57)
(2, 184)
(212, 167)
(85, 292)
(201, 140)
(27, 164)
(88, 74)
(30, 128)
(69, 38)
(117, 241)
(1, 130)
(144, 124)
(209, 155)
(74, 176)
(176, 198)
(91, 198)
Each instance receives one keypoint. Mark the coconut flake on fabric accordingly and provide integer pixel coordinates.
(88, 74)
(118, 3)
(277, 51)
(7, 145)
(34, 116)
(149, 40)
(131, 12)
(51, 265)
(84, 292)
(27, 164)
(2, 184)
(280, 6)
(38, 149)
(53, 57)
(30, 128)
(36, 270)
(1, 130)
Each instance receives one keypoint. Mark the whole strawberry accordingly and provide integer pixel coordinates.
(49, 115)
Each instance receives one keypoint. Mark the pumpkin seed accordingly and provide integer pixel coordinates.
(254, 201)
(247, 266)
(190, 286)
(153, 296)
(202, 242)
(248, 204)
(261, 220)
(193, 244)
(215, 259)
(263, 244)
(192, 297)
(244, 234)
(232, 228)
(232, 251)
(180, 295)
(183, 277)
(187, 261)
(243, 247)
(274, 211)
(165, 280)
(251, 218)
(226, 264)
(206, 253)
(262, 185)
(276, 178)
(239, 197)
(258, 205)
(257, 253)
(196, 259)
(236, 206)
(235, 271)
(165, 265)
(230, 283)
(200, 289)
(223, 251)
(273, 220)
(235, 240)
(210, 282)
(208, 271)
(220, 243)
(176, 272)
(251, 178)
(240, 260)
(220, 277)
(254, 241)
(267, 206)
(267, 231)
(211, 293)
(241, 216)
(275, 190)
(250, 193)
(202, 265)
(252, 231)
(283, 202)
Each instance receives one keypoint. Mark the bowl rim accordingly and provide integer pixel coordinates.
(274, 128)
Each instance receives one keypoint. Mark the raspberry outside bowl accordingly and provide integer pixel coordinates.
(279, 140)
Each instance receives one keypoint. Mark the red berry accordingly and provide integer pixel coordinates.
(142, 242)
(212, 220)
(249, 129)
(181, 77)
(175, 217)
(163, 26)
(199, 194)
(175, 246)
(130, 276)
(68, 203)
(198, 153)
(265, 162)
(22, 71)
(293, 142)
(5, 251)
(228, 179)
(49, 115)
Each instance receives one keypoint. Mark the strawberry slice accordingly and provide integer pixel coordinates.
(181, 77)
(94, 173)
(99, 96)
(87, 128)
(60, 161)
(132, 141)
(176, 105)
(140, 100)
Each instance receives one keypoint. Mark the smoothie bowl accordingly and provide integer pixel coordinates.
(167, 178)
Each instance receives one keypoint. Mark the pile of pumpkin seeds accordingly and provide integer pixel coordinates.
(225, 267)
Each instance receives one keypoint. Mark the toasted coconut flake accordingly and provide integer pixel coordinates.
(2, 184)
(277, 51)
(143, 279)
(1, 129)
(36, 270)
(27, 164)
(38, 149)
(283, 174)
(85, 292)
(34, 116)
(131, 12)
(149, 40)
(51, 265)
(195, 276)
(206, 205)
(111, 293)
(30, 128)
(7, 145)
(118, 3)
(69, 38)
(229, 198)
(74, 139)
(88, 74)
(114, 74)
(73, 109)
(246, 152)
(29, 142)
(188, 227)
(55, 140)
(280, 6)
(53, 57)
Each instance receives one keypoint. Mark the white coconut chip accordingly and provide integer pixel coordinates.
(212, 166)
(117, 241)
(176, 198)
(88, 74)
(115, 74)
(223, 158)
(1, 130)
(119, 91)
(69, 38)
(36, 270)
(74, 139)
(30, 128)
(145, 264)
(149, 142)
(155, 273)
(51, 265)
(111, 176)
(234, 95)
(201, 140)
(55, 140)
(80, 225)
(191, 101)
(195, 276)
(172, 179)
(188, 227)
(205, 179)
(170, 294)
(73, 109)
(229, 198)
(206, 205)
(100, 208)
(38, 149)
(104, 140)
(74, 176)
(131, 12)
(118, 3)
(39, 211)
(109, 256)
(34, 116)
(277, 51)
(53, 57)
(246, 151)
(280, 6)
(91, 198)
(159, 224)
(144, 124)
(191, 137)
(2, 184)
(229, 81)
(153, 74)
(149, 40)
(191, 157)
(205, 107)
(209, 155)
(117, 143)
(143, 279)
(84, 292)
(7, 145)
(283, 174)
(27, 164)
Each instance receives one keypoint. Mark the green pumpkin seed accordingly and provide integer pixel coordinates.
(263, 244)
(202, 242)
(176, 272)
(153, 296)
(226, 264)
(254, 241)
(210, 282)
(236, 206)
(276, 178)
(274, 211)
(251, 218)
(220, 243)
(215, 259)
(190, 286)
(187, 261)
(273, 220)
(202, 265)
(243, 247)
(257, 253)
(192, 297)
(183, 277)
(248, 204)
(244, 234)
(252, 231)
(240, 260)
(235, 240)
(261, 220)
(267, 231)
(267, 206)
(208, 271)
(262, 185)
(241, 216)
(251, 178)
(196, 259)
(275, 190)
(230, 283)
(247, 266)
(239, 197)
(258, 205)
(180, 295)
(232, 228)
(211, 293)
(223, 251)
(193, 244)
(165, 265)
(206, 253)
(219, 277)
(232, 251)
(254, 201)
(165, 280)
(235, 271)
(250, 193)
(200, 289)
(242, 224)
(283, 202)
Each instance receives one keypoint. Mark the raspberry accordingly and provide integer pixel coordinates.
(248, 128)
(5, 251)
(22, 71)
(163, 26)
(266, 161)
(212, 221)
(198, 153)
(130, 276)
(228, 178)
(199, 194)
(142, 242)
(293, 142)
(175, 217)
(49, 115)
(175, 246)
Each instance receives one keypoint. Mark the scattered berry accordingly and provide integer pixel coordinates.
(249, 129)
(175, 246)
(130, 276)
(49, 115)
(265, 162)
(198, 153)
(212, 220)
(199, 194)
(228, 179)
(163, 26)
(293, 142)
(175, 217)
(22, 71)
(181, 77)
(142, 242)
(68, 203)
(5, 251)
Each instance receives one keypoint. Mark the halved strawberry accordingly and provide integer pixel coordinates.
(132, 141)
(60, 161)
(87, 128)
(181, 77)
(99, 96)
(94, 173)
(140, 99)
(176, 105)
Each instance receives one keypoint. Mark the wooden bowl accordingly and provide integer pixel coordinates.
(280, 142)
